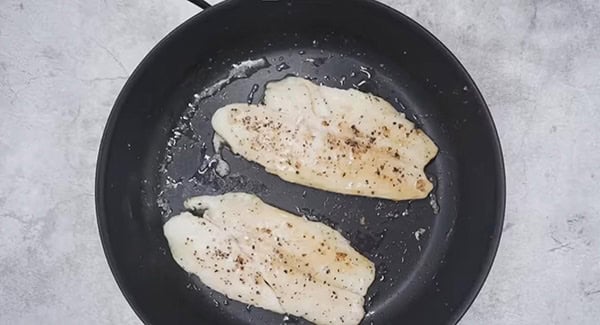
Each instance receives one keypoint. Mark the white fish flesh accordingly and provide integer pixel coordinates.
(343, 141)
(260, 255)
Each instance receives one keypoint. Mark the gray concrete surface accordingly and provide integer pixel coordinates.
(63, 62)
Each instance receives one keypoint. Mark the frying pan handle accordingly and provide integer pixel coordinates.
(200, 3)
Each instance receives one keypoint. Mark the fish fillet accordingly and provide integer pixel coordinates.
(263, 256)
(337, 140)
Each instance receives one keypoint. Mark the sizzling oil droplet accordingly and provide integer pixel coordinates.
(307, 213)
(172, 183)
(290, 319)
(253, 91)
(366, 72)
(392, 215)
(418, 233)
(317, 62)
(369, 302)
(359, 84)
(163, 205)
(435, 207)
(282, 66)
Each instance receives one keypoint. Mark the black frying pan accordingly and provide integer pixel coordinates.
(143, 173)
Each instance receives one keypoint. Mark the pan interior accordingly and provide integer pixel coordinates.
(395, 235)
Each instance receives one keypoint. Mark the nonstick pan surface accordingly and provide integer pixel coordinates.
(432, 256)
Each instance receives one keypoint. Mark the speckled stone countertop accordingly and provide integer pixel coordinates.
(62, 64)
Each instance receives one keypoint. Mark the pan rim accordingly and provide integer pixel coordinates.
(102, 159)
(497, 150)
(108, 133)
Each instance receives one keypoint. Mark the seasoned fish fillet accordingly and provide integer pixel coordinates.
(337, 140)
(263, 256)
